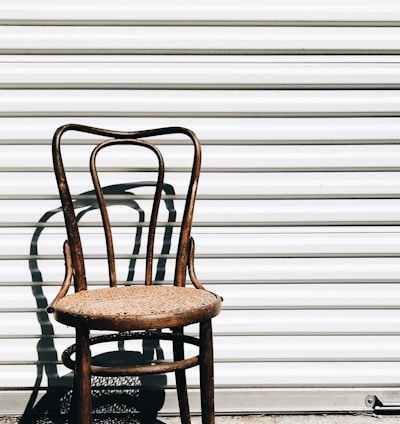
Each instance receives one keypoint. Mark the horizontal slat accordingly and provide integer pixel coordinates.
(186, 74)
(248, 296)
(299, 270)
(20, 185)
(259, 322)
(244, 39)
(268, 400)
(182, 103)
(335, 349)
(329, 297)
(198, 40)
(275, 129)
(258, 213)
(176, 10)
(265, 375)
(210, 244)
(313, 322)
(299, 212)
(218, 159)
(307, 375)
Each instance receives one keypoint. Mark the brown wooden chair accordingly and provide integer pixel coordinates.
(140, 311)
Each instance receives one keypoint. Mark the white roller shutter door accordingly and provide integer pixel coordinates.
(297, 223)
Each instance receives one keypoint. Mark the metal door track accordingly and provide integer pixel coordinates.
(380, 407)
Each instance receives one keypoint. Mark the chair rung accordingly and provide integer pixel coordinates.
(154, 368)
(134, 335)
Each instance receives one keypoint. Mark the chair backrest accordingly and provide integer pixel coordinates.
(102, 197)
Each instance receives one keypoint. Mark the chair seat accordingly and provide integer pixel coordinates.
(137, 307)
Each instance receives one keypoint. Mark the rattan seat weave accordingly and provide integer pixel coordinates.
(137, 307)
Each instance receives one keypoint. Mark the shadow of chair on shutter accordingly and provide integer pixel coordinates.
(130, 311)
(130, 399)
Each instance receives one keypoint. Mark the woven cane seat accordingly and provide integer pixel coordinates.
(137, 307)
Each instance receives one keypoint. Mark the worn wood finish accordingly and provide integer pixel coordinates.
(180, 378)
(206, 373)
(82, 383)
(135, 308)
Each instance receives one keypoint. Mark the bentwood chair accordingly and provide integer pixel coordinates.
(148, 310)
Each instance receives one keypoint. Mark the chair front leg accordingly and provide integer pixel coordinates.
(82, 378)
(180, 378)
(207, 373)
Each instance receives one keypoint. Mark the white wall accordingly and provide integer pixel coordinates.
(297, 223)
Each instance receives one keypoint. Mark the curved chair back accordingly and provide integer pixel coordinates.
(118, 138)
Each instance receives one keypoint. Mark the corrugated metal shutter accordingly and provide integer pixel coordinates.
(297, 223)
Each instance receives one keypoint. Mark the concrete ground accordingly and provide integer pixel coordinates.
(278, 419)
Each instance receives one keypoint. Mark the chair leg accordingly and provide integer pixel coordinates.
(82, 379)
(180, 378)
(207, 373)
